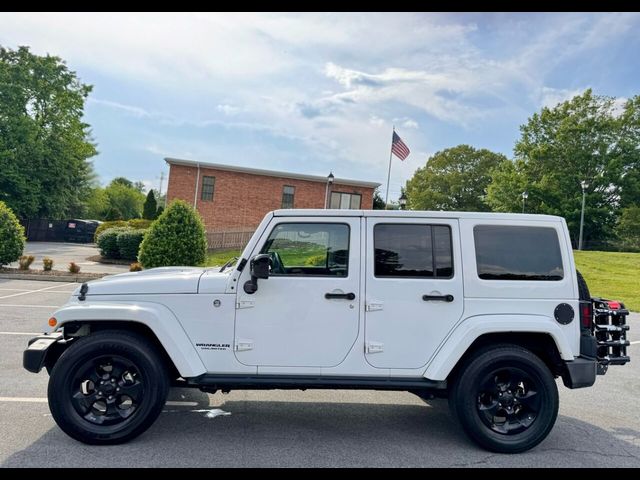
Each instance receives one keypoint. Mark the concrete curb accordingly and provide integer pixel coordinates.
(52, 278)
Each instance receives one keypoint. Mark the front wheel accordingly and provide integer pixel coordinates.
(107, 388)
(506, 399)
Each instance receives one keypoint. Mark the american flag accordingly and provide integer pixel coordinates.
(398, 147)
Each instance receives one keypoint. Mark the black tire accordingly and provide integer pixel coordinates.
(135, 387)
(529, 408)
(583, 289)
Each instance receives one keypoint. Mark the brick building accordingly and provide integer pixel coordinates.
(233, 199)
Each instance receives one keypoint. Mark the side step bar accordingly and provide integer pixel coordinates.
(225, 383)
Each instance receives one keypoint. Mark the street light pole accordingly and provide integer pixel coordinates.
(326, 191)
(525, 195)
(584, 186)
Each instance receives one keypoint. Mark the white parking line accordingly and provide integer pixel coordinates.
(29, 306)
(635, 343)
(23, 399)
(20, 333)
(15, 289)
(170, 403)
(39, 290)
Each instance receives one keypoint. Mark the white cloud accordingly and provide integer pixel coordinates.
(377, 121)
(327, 83)
(550, 97)
(227, 109)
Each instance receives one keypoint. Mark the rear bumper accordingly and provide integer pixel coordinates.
(580, 372)
(35, 355)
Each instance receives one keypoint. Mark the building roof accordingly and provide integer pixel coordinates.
(270, 173)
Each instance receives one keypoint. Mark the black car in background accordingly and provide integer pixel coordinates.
(81, 231)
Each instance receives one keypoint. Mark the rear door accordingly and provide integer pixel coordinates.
(414, 293)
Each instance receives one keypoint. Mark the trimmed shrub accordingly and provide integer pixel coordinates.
(108, 242)
(107, 225)
(139, 223)
(129, 243)
(177, 237)
(11, 236)
(47, 264)
(136, 223)
(74, 267)
(135, 267)
(25, 262)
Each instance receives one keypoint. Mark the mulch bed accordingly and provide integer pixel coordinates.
(50, 274)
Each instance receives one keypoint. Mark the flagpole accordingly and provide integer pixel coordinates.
(386, 198)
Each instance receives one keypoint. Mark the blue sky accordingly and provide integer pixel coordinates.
(311, 93)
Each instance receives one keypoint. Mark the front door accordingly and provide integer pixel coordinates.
(414, 292)
(306, 313)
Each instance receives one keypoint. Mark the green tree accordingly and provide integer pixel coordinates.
(378, 201)
(44, 144)
(582, 139)
(628, 228)
(97, 204)
(125, 202)
(177, 237)
(11, 234)
(150, 208)
(159, 211)
(453, 179)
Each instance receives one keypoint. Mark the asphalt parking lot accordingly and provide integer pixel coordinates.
(597, 427)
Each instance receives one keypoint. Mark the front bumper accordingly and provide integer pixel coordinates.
(34, 357)
(580, 372)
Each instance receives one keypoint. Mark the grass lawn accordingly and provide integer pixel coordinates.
(612, 275)
(609, 274)
(220, 257)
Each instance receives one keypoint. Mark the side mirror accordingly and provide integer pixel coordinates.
(258, 268)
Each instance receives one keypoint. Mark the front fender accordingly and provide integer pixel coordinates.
(157, 317)
(467, 331)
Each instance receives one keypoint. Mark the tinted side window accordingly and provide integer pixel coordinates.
(403, 250)
(307, 249)
(517, 253)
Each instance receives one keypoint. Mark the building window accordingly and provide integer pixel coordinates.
(345, 201)
(207, 188)
(422, 251)
(309, 249)
(517, 253)
(288, 193)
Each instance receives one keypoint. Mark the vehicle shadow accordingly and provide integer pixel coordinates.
(322, 434)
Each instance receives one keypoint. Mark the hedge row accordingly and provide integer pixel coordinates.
(120, 242)
(135, 223)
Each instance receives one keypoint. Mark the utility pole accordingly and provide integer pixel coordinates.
(160, 189)
(584, 186)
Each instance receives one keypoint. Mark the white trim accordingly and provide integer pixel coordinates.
(271, 173)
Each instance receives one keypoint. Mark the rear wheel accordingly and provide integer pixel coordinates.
(107, 388)
(506, 399)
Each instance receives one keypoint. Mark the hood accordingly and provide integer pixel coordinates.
(162, 280)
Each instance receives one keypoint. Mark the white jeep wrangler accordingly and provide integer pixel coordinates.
(483, 309)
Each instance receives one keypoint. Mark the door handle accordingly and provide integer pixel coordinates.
(347, 296)
(437, 298)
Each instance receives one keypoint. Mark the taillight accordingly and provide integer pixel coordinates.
(613, 305)
(586, 314)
